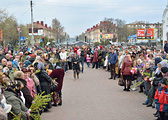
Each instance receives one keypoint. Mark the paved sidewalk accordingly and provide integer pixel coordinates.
(94, 97)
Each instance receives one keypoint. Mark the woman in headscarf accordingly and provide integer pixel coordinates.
(12, 97)
(45, 80)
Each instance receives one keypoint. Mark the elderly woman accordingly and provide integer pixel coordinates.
(12, 97)
(45, 81)
(140, 67)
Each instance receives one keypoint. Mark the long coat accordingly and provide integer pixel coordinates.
(76, 66)
(59, 74)
(126, 67)
(95, 56)
(45, 82)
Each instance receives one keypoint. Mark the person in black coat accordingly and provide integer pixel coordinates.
(76, 68)
(19, 76)
(45, 81)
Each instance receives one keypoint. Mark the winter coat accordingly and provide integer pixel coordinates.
(112, 59)
(88, 59)
(75, 66)
(59, 74)
(82, 55)
(161, 99)
(166, 47)
(95, 56)
(17, 104)
(126, 67)
(26, 92)
(30, 86)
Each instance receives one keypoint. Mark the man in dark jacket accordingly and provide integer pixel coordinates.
(166, 46)
(82, 59)
(112, 60)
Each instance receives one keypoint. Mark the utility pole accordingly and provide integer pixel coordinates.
(32, 37)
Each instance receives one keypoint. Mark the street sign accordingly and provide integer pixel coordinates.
(18, 29)
(22, 38)
(41, 40)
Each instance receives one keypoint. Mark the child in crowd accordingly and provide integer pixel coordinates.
(88, 60)
(161, 99)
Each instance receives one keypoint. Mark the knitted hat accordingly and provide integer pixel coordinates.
(164, 81)
(18, 74)
(164, 69)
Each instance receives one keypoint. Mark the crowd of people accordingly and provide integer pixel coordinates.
(27, 72)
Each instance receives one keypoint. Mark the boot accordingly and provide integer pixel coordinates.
(74, 76)
(77, 76)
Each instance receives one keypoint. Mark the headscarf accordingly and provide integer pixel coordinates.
(14, 86)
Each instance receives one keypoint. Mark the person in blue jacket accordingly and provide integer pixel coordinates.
(112, 60)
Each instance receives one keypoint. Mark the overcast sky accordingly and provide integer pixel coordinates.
(78, 15)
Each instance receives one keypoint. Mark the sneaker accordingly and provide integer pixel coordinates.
(110, 78)
(60, 104)
(54, 104)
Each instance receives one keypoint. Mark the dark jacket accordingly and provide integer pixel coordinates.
(166, 47)
(82, 55)
(75, 66)
(127, 66)
(44, 78)
(26, 93)
(112, 59)
(59, 74)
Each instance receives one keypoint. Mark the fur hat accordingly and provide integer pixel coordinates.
(18, 74)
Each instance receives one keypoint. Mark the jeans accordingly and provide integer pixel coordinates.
(82, 63)
(64, 66)
(88, 64)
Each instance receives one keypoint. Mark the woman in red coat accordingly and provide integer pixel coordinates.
(58, 73)
(126, 72)
(95, 59)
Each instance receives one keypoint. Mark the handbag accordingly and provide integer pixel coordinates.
(53, 87)
(121, 82)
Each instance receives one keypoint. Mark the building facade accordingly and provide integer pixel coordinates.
(40, 30)
(142, 24)
(165, 24)
(103, 31)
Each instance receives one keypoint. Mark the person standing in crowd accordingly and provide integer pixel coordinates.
(88, 60)
(76, 68)
(63, 57)
(166, 46)
(95, 59)
(58, 73)
(161, 99)
(19, 76)
(12, 97)
(82, 58)
(45, 81)
(112, 60)
(126, 72)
